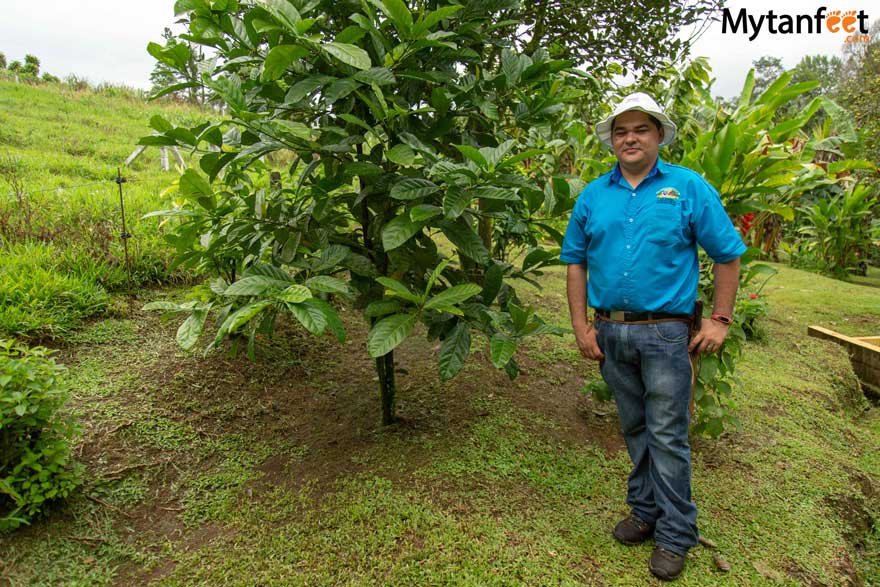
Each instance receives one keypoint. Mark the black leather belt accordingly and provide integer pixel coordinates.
(621, 316)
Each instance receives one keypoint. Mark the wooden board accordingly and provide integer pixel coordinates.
(864, 354)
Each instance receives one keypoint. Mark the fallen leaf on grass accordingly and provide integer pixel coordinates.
(707, 543)
(722, 564)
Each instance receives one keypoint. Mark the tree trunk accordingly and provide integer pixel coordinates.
(385, 370)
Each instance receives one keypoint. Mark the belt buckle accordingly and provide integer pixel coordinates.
(618, 316)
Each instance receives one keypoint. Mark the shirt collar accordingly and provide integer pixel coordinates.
(660, 166)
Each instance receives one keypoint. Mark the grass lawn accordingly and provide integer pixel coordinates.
(220, 471)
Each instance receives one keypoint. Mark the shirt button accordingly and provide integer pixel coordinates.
(626, 274)
(627, 246)
(630, 220)
(625, 300)
(634, 194)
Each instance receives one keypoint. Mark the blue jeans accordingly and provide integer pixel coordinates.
(648, 369)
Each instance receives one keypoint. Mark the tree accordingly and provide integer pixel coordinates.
(767, 70)
(859, 88)
(2, 61)
(165, 76)
(632, 34)
(31, 65)
(406, 143)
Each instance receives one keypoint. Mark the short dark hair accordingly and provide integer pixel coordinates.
(651, 116)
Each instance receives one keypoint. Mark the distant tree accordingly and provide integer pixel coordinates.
(767, 70)
(634, 34)
(859, 88)
(2, 61)
(15, 66)
(822, 68)
(31, 65)
(48, 77)
(164, 76)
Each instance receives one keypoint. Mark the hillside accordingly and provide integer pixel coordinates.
(60, 217)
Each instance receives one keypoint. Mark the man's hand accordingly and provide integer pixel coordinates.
(587, 343)
(709, 338)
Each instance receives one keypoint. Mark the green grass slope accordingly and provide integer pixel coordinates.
(59, 153)
(224, 472)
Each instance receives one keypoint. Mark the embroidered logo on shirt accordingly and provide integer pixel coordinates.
(667, 194)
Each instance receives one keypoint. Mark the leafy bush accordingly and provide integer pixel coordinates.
(35, 463)
(839, 231)
(36, 300)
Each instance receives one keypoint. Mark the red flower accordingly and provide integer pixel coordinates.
(753, 296)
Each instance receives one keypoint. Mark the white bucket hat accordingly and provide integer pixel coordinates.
(644, 103)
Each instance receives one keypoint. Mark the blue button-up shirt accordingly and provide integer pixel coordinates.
(640, 245)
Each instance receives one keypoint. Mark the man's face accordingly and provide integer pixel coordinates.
(636, 140)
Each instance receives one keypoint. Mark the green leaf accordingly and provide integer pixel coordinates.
(284, 12)
(229, 90)
(424, 24)
(492, 282)
(398, 231)
(495, 193)
(502, 349)
(279, 59)
(311, 317)
(412, 188)
(389, 332)
(424, 212)
(162, 305)
(473, 154)
(173, 88)
(306, 86)
(380, 76)
(160, 124)
(327, 284)
(255, 285)
(334, 324)
(398, 13)
(362, 168)
(295, 294)
(191, 329)
(455, 202)
(349, 54)
(192, 184)
(466, 240)
(339, 89)
(454, 351)
(454, 295)
(381, 308)
(242, 316)
(396, 288)
(401, 154)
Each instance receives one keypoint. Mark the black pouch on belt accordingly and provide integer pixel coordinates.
(697, 321)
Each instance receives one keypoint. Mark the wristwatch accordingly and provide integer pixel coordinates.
(726, 320)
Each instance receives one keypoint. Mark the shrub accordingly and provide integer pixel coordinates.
(35, 463)
(36, 301)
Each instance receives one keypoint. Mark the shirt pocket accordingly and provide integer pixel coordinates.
(664, 223)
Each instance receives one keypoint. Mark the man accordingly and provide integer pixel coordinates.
(636, 229)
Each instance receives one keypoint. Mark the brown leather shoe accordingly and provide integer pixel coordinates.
(665, 564)
(632, 530)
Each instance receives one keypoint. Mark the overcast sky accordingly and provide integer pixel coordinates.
(105, 40)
